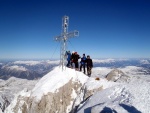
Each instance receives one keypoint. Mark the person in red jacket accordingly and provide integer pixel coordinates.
(89, 65)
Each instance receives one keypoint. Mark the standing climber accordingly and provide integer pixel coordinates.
(76, 57)
(82, 63)
(72, 59)
(68, 58)
(89, 65)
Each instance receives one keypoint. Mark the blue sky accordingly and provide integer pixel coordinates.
(107, 28)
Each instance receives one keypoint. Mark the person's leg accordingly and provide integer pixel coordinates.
(90, 71)
(84, 68)
(68, 63)
(81, 67)
(77, 66)
(87, 70)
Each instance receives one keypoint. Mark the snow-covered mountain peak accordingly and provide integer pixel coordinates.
(72, 91)
(54, 92)
(144, 62)
(55, 79)
(27, 62)
(15, 67)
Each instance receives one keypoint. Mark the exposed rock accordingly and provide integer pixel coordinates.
(117, 75)
(49, 103)
(3, 103)
(59, 100)
(85, 93)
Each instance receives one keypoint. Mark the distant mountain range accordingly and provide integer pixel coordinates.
(34, 69)
(26, 69)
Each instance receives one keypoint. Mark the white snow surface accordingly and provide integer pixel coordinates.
(13, 85)
(100, 71)
(55, 79)
(132, 70)
(133, 97)
(94, 84)
(128, 97)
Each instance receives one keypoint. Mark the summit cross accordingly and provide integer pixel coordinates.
(63, 38)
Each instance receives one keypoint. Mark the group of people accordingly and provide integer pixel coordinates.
(86, 62)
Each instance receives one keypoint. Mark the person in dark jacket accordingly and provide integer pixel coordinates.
(68, 58)
(82, 63)
(89, 65)
(76, 57)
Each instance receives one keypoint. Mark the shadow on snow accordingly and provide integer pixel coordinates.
(129, 109)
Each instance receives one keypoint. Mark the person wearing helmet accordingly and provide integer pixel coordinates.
(89, 65)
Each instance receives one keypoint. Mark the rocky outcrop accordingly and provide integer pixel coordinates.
(117, 75)
(60, 102)
(3, 103)
(86, 92)
(57, 92)
(57, 100)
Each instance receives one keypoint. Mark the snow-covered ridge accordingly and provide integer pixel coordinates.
(27, 62)
(108, 60)
(15, 67)
(144, 62)
(50, 92)
(104, 61)
(132, 70)
(102, 93)
(9, 88)
(32, 63)
(56, 79)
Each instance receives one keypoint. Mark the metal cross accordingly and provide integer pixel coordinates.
(63, 38)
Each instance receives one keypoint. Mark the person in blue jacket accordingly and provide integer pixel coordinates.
(83, 62)
(68, 58)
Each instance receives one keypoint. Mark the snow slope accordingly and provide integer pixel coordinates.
(129, 97)
(13, 85)
(56, 85)
(133, 97)
(55, 79)
(9, 88)
(112, 97)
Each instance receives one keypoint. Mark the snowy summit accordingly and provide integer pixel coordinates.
(72, 91)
